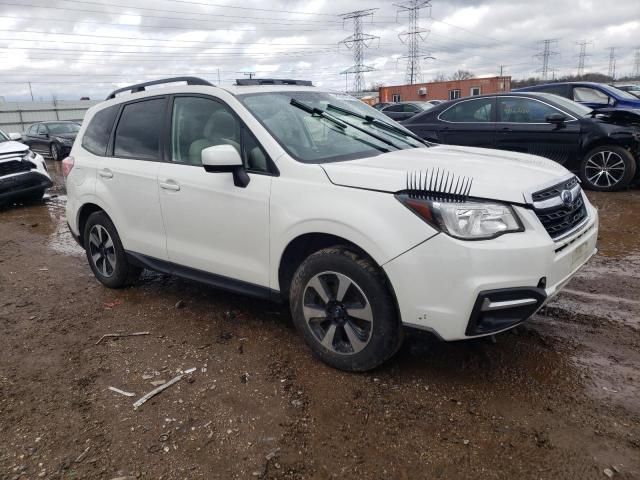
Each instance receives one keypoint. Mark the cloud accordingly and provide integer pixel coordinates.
(75, 48)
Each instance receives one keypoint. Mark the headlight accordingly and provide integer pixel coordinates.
(29, 155)
(465, 220)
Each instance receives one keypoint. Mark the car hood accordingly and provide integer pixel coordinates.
(10, 146)
(492, 174)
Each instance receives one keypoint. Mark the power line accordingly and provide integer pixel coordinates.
(545, 55)
(413, 36)
(358, 42)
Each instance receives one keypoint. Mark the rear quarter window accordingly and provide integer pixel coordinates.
(96, 136)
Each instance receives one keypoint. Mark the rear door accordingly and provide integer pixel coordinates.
(127, 180)
(469, 122)
(522, 127)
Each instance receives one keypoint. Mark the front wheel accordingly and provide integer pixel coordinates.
(105, 253)
(54, 150)
(608, 168)
(343, 308)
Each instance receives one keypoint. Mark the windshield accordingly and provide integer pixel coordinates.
(58, 128)
(574, 108)
(315, 138)
(3, 137)
(620, 93)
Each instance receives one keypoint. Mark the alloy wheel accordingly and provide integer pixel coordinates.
(55, 154)
(102, 250)
(338, 313)
(605, 169)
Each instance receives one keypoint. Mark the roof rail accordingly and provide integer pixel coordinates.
(272, 81)
(141, 87)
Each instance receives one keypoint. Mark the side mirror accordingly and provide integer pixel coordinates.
(556, 118)
(225, 158)
(15, 136)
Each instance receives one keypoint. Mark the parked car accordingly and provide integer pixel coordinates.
(603, 148)
(404, 110)
(381, 105)
(590, 94)
(53, 139)
(632, 89)
(23, 174)
(297, 194)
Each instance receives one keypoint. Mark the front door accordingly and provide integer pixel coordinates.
(522, 127)
(212, 225)
(468, 122)
(127, 180)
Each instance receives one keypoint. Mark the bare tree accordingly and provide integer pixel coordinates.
(461, 75)
(440, 77)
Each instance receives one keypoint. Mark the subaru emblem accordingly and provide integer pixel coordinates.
(566, 197)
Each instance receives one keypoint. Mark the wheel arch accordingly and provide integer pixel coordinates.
(299, 248)
(83, 215)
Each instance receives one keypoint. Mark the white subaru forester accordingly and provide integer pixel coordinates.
(278, 189)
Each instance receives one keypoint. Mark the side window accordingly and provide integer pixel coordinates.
(42, 130)
(591, 95)
(198, 123)
(138, 131)
(556, 90)
(470, 111)
(523, 110)
(410, 108)
(394, 108)
(96, 136)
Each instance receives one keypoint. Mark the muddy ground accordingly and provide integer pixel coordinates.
(557, 398)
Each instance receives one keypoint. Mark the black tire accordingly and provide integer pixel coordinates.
(54, 151)
(384, 333)
(34, 197)
(121, 273)
(607, 168)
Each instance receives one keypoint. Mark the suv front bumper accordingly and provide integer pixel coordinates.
(460, 289)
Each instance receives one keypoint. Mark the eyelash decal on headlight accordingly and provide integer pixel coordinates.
(436, 184)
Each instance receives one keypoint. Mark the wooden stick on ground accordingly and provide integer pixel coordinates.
(116, 335)
(156, 391)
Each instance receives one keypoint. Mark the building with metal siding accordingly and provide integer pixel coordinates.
(17, 116)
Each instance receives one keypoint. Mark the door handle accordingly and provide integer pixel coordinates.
(170, 185)
(105, 173)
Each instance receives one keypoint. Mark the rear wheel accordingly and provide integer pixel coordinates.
(105, 253)
(341, 305)
(608, 168)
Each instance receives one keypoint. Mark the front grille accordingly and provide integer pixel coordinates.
(560, 218)
(554, 191)
(14, 166)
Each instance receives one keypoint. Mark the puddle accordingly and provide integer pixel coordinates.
(619, 222)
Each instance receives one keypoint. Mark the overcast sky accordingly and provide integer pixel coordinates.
(74, 48)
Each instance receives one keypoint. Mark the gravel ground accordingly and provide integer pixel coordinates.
(559, 397)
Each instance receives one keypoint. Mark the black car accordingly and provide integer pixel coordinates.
(603, 148)
(53, 139)
(404, 110)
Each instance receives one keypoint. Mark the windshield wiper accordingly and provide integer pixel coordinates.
(322, 113)
(380, 123)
